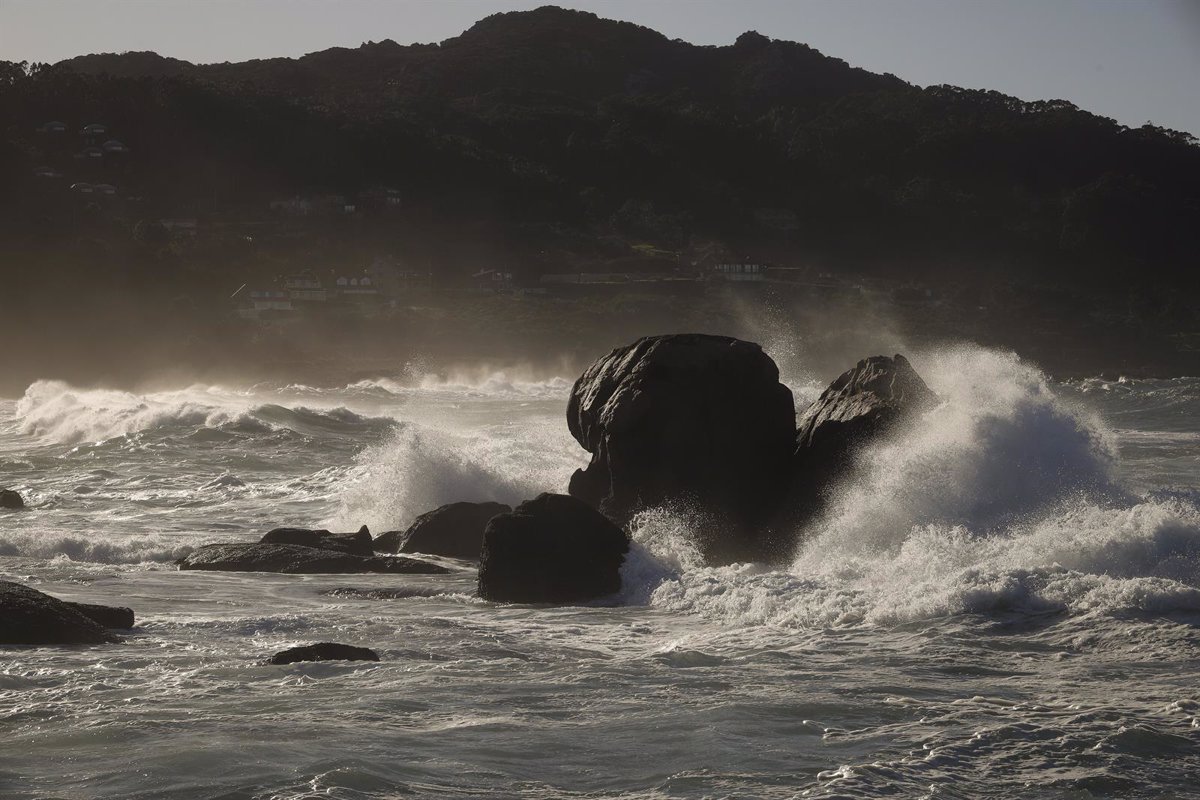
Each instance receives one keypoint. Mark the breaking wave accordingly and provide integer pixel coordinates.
(56, 412)
(1002, 498)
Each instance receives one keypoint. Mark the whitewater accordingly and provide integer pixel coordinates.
(1004, 602)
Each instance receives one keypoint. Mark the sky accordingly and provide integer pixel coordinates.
(1133, 60)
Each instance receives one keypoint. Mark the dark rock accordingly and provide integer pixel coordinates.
(297, 559)
(105, 616)
(358, 544)
(864, 403)
(688, 418)
(323, 651)
(11, 500)
(28, 616)
(552, 549)
(454, 530)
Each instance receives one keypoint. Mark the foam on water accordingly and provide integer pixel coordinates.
(988, 610)
(1001, 498)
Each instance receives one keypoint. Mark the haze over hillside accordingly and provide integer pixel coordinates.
(555, 141)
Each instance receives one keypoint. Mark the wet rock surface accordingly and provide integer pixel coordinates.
(454, 530)
(323, 651)
(30, 617)
(358, 543)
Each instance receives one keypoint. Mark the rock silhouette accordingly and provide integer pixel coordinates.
(685, 419)
(454, 530)
(552, 549)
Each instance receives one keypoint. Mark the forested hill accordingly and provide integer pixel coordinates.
(555, 138)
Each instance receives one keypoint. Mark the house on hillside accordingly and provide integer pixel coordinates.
(305, 287)
(740, 271)
(356, 287)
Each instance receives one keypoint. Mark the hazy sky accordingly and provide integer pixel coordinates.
(1134, 60)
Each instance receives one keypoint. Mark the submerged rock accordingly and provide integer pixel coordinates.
(358, 543)
(323, 651)
(687, 418)
(11, 500)
(297, 559)
(28, 616)
(552, 549)
(454, 530)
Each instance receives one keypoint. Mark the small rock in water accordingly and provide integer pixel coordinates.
(28, 616)
(358, 543)
(324, 651)
(454, 530)
(11, 500)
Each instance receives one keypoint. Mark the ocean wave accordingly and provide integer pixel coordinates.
(1003, 498)
(54, 411)
(98, 548)
(422, 467)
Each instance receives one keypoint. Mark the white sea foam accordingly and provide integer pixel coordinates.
(1001, 498)
(54, 411)
(422, 467)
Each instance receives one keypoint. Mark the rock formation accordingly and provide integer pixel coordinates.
(358, 544)
(323, 651)
(296, 559)
(11, 500)
(685, 419)
(30, 617)
(864, 403)
(552, 549)
(454, 530)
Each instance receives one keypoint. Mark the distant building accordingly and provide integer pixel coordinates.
(356, 287)
(740, 271)
(305, 287)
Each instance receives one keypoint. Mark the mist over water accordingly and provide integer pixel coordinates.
(1013, 578)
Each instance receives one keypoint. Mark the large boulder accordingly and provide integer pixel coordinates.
(358, 544)
(11, 500)
(687, 419)
(28, 616)
(552, 549)
(864, 403)
(454, 530)
(323, 651)
(297, 559)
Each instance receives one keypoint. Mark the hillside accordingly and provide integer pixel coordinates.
(556, 141)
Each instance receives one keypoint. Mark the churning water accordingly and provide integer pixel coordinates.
(1005, 603)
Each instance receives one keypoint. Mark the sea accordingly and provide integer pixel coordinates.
(1003, 602)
